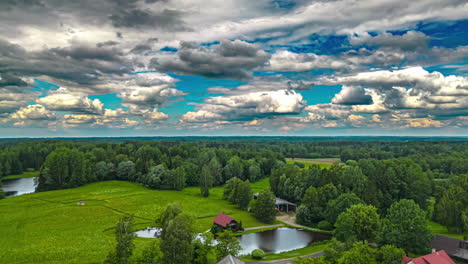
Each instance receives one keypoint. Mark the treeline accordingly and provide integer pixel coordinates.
(158, 167)
(441, 157)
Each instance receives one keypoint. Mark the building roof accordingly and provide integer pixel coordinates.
(450, 245)
(278, 200)
(222, 219)
(281, 201)
(439, 257)
(230, 259)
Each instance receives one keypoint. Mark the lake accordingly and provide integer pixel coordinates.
(15, 187)
(279, 240)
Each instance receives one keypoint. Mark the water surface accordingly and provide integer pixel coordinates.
(15, 187)
(279, 240)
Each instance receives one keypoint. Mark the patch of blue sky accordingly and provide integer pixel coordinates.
(208, 44)
(450, 69)
(449, 34)
(321, 94)
(284, 4)
(43, 86)
(110, 101)
(296, 76)
(195, 87)
(319, 44)
(169, 49)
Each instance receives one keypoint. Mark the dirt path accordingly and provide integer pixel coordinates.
(288, 219)
(261, 227)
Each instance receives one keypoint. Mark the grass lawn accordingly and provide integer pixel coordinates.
(27, 174)
(314, 248)
(50, 227)
(442, 230)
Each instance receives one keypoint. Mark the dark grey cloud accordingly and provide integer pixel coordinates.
(410, 41)
(82, 65)
(7, 79)
(141, 48)
(352, 95)
(229, 59)
(107, 43)
(136, 18)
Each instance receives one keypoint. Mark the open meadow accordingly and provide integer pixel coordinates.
(323, 163)
(50, 227)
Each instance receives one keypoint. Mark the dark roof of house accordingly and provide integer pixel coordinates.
(230, 259)
(450, 245)
(278, 200)
(222, 219)
(439, 257)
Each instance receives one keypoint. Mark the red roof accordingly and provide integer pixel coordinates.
(223, 220)
(439, 257)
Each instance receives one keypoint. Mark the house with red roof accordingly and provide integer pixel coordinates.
(223, 221)
(439, 257)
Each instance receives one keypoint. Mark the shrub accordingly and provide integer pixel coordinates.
(325, 225)
(258, 254)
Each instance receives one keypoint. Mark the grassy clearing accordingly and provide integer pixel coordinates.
(323, 163)
(27, 174)
(314, 248)
(443, 230)
(50, 227)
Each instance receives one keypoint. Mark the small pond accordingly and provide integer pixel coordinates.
(149, 232)
(15, 187)
(279, 240)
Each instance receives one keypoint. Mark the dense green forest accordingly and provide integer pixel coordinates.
(361, 199)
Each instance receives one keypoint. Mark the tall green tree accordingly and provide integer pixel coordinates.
(176, 240)
(405, 226)
(233, 168)
(449, 209)
(360, 222)
(231, 189)
(63, 168)
(227, 244)
(263, 208)
(169, 213)
(360, 253)
(2, 195)
(179, 178)
(206, 181)
(244, 195)
(339, 205)
(204, 250)
(390, 254)
(124, 236)
(150, 255)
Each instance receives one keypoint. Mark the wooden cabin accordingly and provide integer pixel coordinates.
(224, 221)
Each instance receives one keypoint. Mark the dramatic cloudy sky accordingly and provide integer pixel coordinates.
(233, 67)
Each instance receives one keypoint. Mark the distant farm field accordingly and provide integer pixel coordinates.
(323, 163)
(50, 227)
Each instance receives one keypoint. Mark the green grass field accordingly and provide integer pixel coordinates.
(27, 174)
(50, 227)
(443, 230)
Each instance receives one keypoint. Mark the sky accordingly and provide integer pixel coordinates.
(233, 67)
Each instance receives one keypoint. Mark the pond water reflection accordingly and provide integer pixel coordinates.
(15, 187)
(279, 240)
